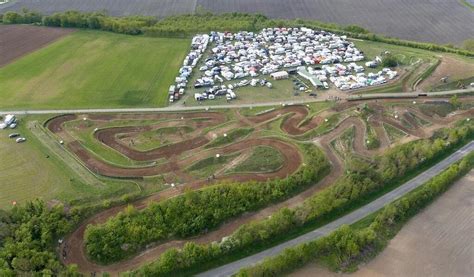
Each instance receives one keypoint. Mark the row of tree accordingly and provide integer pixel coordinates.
(27, 236)
(187, 25)
(195, 212)
(347, 246)
(362, 180)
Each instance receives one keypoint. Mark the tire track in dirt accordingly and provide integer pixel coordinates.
(78, 256)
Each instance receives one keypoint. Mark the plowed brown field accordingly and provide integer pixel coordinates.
(19, 40)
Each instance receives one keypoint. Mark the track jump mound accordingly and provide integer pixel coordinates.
(168, 158)
(296, 122)
(292, 159)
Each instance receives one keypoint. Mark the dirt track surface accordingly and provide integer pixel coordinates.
(437, 242)
(295, 116)
(453, 68)
(294, 124)
(19, 40)
(108, 136)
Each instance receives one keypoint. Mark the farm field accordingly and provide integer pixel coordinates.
(93, 69)
(404, 19)
(18, 40)
(193, 152)
(436, 242)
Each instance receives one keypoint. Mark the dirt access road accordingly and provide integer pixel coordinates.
(19, 40)
(438, 242)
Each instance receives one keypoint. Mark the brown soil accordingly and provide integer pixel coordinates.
(19, 40)
(436, 242)
(292, 125)
(450, 67)
(295, 123)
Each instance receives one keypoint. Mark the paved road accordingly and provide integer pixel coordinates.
(408, 94)
(355, 216)
(175, 108)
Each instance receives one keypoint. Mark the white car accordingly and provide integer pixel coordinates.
(19, 140)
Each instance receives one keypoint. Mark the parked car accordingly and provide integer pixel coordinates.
(13, 135)
(19, 140)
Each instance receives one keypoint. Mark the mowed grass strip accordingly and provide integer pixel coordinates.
(93, 69)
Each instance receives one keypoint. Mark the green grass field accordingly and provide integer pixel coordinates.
(30, 170)
(263, 159)
(394, 134)
(92, 69)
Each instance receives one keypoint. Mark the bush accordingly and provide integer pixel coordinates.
(187, 25)
(25, 17)
(360, 181)
(346, 247)
(27, 236)
(195, 212)
(390, 61)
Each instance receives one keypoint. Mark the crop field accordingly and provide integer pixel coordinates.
(18, 40)
(93, 69)
(437, 242)
(404, 19)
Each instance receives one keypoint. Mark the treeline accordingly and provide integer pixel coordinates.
(195, 212)
(27, 236)
(346, 247)
(187, 25)
(361, 181)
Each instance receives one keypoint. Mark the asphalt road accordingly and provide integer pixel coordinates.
(231, 268)
(176, 108)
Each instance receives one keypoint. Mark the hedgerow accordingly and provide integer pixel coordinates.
(346, 247)
(360, 181)
(195, 211)
(187, 25)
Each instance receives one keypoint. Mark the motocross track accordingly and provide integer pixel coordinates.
(291, 157)
(74, 244)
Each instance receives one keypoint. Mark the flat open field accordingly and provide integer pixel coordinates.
(19, 40)
(94, 69)
(445, 21)
(31, 170)
(436, 242)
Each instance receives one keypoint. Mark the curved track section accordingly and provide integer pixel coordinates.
(292, 125)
